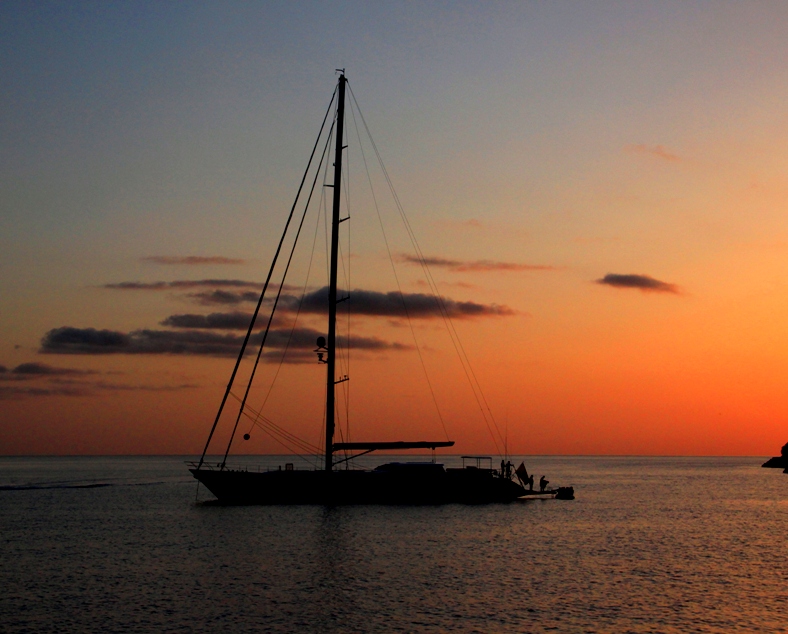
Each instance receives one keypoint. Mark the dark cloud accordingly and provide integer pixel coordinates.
(121, 387)
(84, 341)
(230, 298)
(192, 259)
(219, 321)
(641, 282)
(476, 266)
(68, 340)
(306, 337)
(373, 303)
(42, 369)
(181, 284)
(226, 298)
(73, 388)
(29, 371)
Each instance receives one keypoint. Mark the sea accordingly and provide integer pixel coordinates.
(131, 544)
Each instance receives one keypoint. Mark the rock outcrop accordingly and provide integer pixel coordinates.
(778, 462)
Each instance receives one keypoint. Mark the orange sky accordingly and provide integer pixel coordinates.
(605, 184)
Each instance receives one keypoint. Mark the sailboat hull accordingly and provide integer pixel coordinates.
(436, 486)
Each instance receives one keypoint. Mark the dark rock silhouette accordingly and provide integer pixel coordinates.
(778, 462)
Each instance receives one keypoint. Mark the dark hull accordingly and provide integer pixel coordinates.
(459, 486)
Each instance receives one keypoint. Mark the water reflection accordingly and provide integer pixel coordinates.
(648, 545)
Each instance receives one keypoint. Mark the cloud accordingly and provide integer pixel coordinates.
(641, 282)
(181, 284)
(123, 387)
(8, 392)
(464, 285)
(42, 369)
(63, 382)
(369, 303)
(191, 260)
(67, 388)
(28, 371)
(476, 266)
(6, 376)
(69, 340)
(306, 337)
(376, 304)
(228, 298)
(220, 321)
(84, 340)
(654, 150)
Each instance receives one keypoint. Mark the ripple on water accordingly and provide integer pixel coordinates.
(650, 545)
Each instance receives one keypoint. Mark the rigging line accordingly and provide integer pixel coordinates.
(273, 431)
(346, 173)
(282, 439)
(323, 426)
(459, 349)
(339, 427)
(327, 250)
(321, 437)
(346, 386)
(461, 353)
(276, 302)
(327, 224)
(268, 423)
(298, 310)
(265, 286)
(345, 360)
(456, 341)
(344, 357)
(391, 261)
(284, 444)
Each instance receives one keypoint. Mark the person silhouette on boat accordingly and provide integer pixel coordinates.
(543, 482)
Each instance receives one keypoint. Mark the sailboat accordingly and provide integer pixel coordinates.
(409, 482)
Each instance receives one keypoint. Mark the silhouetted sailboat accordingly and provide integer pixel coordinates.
(391, 483)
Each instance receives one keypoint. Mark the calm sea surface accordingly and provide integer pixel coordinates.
(649, 545)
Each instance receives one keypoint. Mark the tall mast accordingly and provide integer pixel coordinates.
(332, 284)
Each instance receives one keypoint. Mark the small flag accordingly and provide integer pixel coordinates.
(522, 472)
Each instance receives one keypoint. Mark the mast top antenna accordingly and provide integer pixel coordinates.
(340, 70)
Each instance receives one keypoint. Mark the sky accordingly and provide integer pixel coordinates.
(598, 189)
